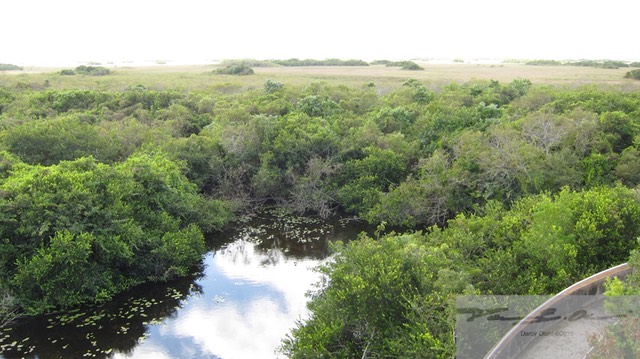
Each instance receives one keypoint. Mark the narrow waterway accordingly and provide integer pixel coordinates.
(248, 296)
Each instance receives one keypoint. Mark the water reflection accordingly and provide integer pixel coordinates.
(252, 299)
(99, 331)
(249, 295)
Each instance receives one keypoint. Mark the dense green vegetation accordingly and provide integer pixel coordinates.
(633, 74)
(405, 65)
(235, 70)
(395, 296)
(411, 66)
(505, 188)
(544, 63)
(87, 70)
(80, 230)
(620, 339)
(605, 64)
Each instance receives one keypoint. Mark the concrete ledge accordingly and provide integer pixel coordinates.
(588, 289)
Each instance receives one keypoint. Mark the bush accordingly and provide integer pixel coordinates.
(235, 70)
(633, 74)
(385, 298)
(404, 65)
(61, 273)
(381, 62)
(82, 231)
(412, 66)
(92, 70)
(50, 141)
(315, 106)
(271, 86)
(87, 70)
(544, 63)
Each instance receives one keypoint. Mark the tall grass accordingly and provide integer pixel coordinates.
(200, 77)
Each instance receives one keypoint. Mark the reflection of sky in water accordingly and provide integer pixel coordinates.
(251, 299)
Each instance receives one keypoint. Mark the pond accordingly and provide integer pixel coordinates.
(248, 296)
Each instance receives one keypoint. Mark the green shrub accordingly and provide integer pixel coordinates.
(87, 70)
(412, 66)
(235, 70)
(82, 231)
(633, 74)
(48, 142)
(404, 65)
(271, 86)
(381, 62)
(544, 63)
(386, 298)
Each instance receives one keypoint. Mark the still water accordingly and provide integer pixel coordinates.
(248, 296)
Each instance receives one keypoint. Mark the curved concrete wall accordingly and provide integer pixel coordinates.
(509, 347)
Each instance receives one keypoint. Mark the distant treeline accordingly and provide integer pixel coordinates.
(327, 62)
(606, 64)
(9, 67)
(248, 62)
(87, 70)
(405, 65)
(294, 62)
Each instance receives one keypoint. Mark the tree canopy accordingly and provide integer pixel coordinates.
(493, 188)
(81, 231)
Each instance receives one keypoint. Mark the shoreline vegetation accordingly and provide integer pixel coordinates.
(499, 179)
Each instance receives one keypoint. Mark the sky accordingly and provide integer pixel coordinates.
(51, 32)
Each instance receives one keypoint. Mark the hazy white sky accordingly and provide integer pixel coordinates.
(71, 31)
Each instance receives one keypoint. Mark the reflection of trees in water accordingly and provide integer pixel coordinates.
(245, 252)
(240, 252)
(293, 236)
(273, 257)
(117, 326)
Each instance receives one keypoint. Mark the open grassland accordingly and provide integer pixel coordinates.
(200, 77)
